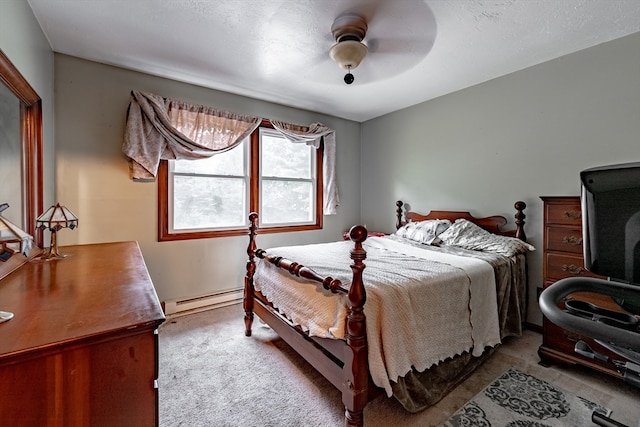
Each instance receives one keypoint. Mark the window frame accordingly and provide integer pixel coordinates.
(164, 233)
(263, 178)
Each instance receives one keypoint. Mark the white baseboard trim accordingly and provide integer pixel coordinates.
(174, 308)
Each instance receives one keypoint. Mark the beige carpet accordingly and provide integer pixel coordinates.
(212, 375)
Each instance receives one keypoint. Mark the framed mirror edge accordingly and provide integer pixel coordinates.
(31, 143)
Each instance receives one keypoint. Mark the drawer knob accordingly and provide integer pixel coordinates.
(573, 214)
(572, 240)
(573, 269)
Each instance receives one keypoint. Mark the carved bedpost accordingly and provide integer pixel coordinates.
(520, 216)
(356, 376)
(247, 303)
(399, 205)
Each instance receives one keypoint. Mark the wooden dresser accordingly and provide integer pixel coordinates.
(562, 257)
(82, 347)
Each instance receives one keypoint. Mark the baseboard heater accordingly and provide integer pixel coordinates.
(201, 303)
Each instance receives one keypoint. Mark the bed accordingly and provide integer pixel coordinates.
(375, 327)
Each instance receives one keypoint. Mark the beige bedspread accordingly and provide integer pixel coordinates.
(423, 306)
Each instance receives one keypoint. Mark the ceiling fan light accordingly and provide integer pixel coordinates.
(348, 53)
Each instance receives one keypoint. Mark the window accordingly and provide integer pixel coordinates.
(266, 173)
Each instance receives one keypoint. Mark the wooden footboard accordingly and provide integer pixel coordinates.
(343, 363)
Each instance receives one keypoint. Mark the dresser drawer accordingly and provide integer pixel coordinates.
(564, 213)
(560, 266)
(565, 239)
(562, 258)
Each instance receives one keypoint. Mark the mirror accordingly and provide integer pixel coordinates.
(20, 156)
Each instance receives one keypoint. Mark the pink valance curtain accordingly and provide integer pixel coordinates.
(159, 128)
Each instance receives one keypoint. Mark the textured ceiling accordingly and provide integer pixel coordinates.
(277, 50)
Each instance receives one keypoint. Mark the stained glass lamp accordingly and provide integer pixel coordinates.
(54, 219)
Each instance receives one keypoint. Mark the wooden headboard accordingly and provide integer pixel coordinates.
(493, 224)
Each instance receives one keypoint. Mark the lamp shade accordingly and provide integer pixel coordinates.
(348, 53)
(56, 218)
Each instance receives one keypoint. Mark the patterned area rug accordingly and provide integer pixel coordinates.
(517, 399)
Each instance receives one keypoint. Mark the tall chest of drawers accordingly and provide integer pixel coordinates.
(562, 258)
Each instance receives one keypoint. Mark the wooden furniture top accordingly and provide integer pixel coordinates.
(96, 291)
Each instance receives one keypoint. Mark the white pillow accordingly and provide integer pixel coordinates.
(425, 232)
(465, 234)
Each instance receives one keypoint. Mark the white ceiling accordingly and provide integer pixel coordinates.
(277, 50)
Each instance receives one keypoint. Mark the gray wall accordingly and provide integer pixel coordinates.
(517, 137)
(23, 41)
(93, 176)
(10, 149)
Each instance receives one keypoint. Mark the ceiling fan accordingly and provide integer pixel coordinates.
(348, 31)
(391, 39)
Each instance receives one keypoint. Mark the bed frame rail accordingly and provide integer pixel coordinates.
(329, 283)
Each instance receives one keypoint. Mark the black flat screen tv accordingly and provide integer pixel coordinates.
(611, 221)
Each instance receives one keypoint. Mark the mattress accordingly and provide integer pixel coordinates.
(424, 304)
